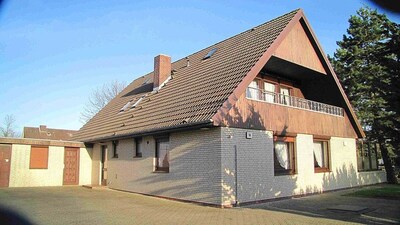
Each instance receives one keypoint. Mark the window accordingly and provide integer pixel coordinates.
(115, 150)
(367, 156)
(253, 91)
(285, 95)
(126, 106)
(321, 156)
(39, 158)
(138, 147)
(269, 92)
(162, 154)
(210, 53)
(284, 157)
(137, 102)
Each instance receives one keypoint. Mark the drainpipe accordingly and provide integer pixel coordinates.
(236, 177)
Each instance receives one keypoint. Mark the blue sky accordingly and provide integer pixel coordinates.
(54, 53)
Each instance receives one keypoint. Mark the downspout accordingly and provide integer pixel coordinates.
(236, 177)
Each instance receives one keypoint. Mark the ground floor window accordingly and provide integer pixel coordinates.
(284, 155)
(115, 150)
(162, 154)
(367, 156)
(138, 147)
(39, 158)
(321, 155)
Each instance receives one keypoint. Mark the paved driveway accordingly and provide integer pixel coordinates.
(77, 205)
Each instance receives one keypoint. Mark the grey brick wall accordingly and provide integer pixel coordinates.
(203, 167)
(195, 167)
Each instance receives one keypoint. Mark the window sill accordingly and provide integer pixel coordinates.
(284, 173)
(137, 157)
(372, 170)
(322, 170)
(160, 171)
(115, 157)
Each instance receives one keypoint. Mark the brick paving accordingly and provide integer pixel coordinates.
(78, 205)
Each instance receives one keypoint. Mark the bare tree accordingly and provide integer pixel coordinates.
(100, 97)
(8, 127)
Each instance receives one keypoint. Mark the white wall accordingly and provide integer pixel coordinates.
(85, 166)
(22, 176)
(255, 165)
(194, 167)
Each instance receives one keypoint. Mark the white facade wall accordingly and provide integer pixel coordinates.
(22, 176)
(194, 172)
(85, 166)
(255, 166)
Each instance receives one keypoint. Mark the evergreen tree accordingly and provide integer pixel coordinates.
(367, 63)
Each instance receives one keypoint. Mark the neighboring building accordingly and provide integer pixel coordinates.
(42, 132)
(26, 162)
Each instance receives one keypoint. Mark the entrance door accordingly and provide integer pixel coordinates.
(71, 166)
(104, 165)
(5, 161)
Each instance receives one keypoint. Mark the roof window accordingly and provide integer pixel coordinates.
(126, 106)
(137, 102)
(210, 53)
(146, 81)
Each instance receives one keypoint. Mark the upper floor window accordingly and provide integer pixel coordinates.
(284, 155)
(284, 96)
(253, 90)
(269, 92)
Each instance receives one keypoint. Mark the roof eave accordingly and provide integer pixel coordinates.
(155, 131)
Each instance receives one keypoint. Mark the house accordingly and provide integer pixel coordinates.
(42, 132)
(260, 115)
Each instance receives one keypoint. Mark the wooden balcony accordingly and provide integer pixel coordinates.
(291, 101)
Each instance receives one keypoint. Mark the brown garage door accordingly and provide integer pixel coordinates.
(71, 166)
(5, 162)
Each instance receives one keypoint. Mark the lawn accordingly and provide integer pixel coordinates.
(388, 192)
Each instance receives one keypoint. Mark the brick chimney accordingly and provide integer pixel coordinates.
(162, 69)
(42, 127)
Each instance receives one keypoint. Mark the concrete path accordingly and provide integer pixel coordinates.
(78, 205)
(336, 205)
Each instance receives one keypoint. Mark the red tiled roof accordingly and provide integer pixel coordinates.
(193, 95)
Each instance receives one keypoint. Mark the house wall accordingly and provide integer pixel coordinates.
(85, 166)
(194, 173)
(255, 166)
(22, 176)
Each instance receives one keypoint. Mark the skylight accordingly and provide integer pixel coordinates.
(126, 106)
(137, 102)
(146, 81)
(210, 53)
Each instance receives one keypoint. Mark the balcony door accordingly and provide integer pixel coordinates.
(269, 92)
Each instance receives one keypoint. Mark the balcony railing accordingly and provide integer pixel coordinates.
(301, 103)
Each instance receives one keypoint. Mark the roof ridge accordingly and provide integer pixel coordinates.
(243, 32)
(226, 39)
